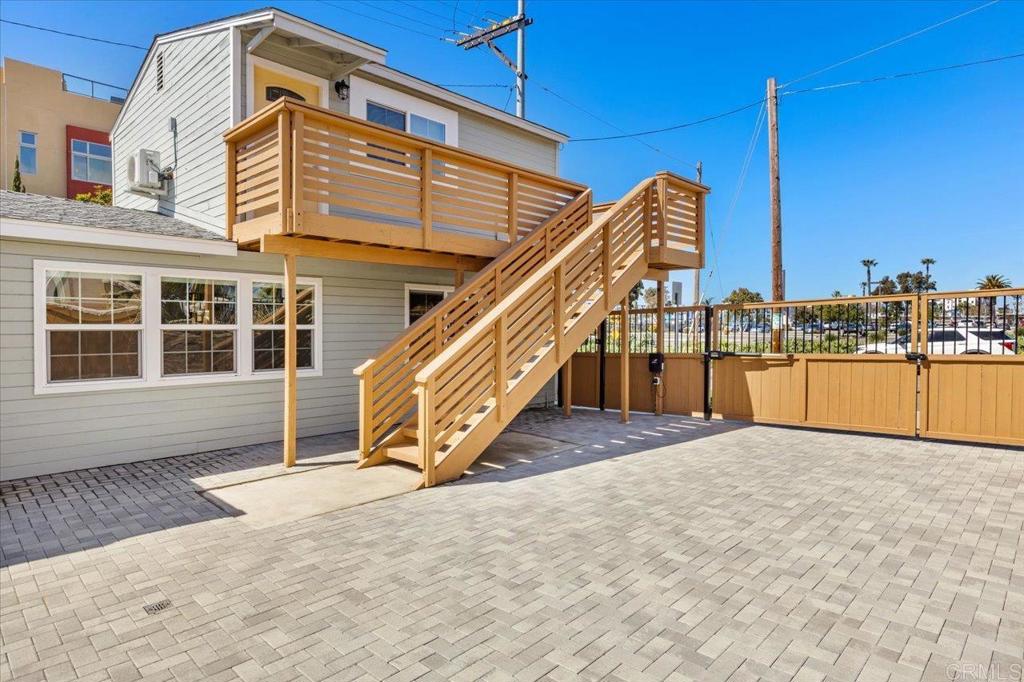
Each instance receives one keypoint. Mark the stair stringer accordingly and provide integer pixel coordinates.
(466, 451)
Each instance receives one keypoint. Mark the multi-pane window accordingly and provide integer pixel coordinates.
(198, 321)
(90, 162)
(385, 116)
(425, 127)
(93, 324)
(113, 327)
(419, 300)
(268, 311)
(27, 152)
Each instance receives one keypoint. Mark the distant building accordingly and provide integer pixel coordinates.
(58, 127)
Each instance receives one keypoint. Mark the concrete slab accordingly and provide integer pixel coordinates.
(516, 447)
(293, 496)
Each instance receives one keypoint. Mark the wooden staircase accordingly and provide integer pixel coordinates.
(444, 390)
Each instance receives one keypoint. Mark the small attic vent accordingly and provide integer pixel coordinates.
(160, 72)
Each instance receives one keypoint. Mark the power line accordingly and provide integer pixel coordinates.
(675, 127)
(74, 35)
(889, 44)
(380, 8)
(383, 21)
(877, 79)
(613, 126)
(472, 85)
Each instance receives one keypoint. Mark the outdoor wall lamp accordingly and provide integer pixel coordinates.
(341, 87)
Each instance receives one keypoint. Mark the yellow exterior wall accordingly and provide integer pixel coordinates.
(32, 98)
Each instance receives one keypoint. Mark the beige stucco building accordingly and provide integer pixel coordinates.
(63, 134)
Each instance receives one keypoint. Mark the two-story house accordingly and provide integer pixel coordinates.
(290, 210)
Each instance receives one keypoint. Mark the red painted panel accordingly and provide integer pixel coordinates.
(87, 135)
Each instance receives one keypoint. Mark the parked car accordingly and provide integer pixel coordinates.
(951, 341)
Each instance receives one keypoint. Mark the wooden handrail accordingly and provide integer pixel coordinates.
(512, 298)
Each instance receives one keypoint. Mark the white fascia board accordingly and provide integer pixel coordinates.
(386, 73)
(120, 239)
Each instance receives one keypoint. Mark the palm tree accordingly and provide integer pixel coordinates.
(927, 263)
(869, 263)
(993, 282)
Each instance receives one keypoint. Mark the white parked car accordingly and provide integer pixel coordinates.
(952, 341)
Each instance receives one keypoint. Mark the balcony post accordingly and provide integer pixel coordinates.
(284, 157)
(426, 212)
(298, 169)
(231, 172)
(290, 360)
(513, 207)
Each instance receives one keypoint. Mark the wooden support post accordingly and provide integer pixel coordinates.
(284, 155)
(500, 367)
(662, 217)
(231, 185)
(567, 387)
(290, 360)
(606, 265)
(559, 296)
(659, 390)
(426, 183)
(648, 221)
(365, 413)
(624, 360)
(425, 432)
(298, 169)
(513, 207)
(460, 275)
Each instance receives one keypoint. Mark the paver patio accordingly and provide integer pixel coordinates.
(666, 549)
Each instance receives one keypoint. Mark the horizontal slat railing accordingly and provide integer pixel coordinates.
(483, 366)
(387, 381)
(329, 175)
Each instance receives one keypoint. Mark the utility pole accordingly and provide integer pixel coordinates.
(778, 283)
(521, 64)
(487, 36)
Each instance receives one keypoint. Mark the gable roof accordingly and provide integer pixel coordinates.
(38, 208)
(375, 65)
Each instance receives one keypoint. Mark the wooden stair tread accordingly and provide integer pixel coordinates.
(408, 452)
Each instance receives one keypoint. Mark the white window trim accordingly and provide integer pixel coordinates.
(252, 61)
(151, 342)
(361, 91)
(34, 145)
(432, 288)
(89, 155)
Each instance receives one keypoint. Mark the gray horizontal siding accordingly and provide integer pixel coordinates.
(363, 308)
(197, 93)
(503, 142)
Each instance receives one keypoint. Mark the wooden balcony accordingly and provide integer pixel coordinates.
(304, 180)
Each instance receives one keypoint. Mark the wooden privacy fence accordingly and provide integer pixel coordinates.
(942, 365)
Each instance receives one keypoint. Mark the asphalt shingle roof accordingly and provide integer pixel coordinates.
(45, 209)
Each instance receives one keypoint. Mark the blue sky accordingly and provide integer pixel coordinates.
(895, 171)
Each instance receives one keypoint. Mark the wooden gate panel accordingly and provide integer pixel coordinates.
(874, 393)
(759, 389)
(586, 379)
(976, 398)
(683, 384)
(641, 398)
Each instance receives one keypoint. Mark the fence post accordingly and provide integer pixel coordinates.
(709, 316)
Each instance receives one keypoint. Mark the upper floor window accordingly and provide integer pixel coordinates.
(425, 127)
(27, 152)
(90, 162)
(385, 116)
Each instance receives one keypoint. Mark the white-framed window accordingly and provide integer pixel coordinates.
(426, 127)
(385, 116)
(400, 110)
(406, 122)
(115, 326)
(198, 325)
(420, 298)
(268, 310)
(92, 325)
(27, 152)
(90, 162)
